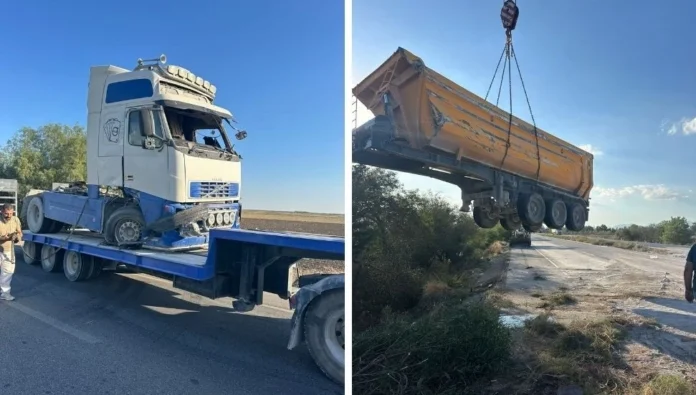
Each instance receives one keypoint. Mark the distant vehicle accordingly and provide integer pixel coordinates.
(521, 237)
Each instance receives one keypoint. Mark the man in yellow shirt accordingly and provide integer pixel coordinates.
(10, 233)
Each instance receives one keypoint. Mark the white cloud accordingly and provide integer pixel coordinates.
(685, 126)
(647, 192)
(591, 149)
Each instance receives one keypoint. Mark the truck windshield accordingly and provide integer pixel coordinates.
(203, 129)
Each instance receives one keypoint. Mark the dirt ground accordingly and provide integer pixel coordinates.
(324, 224)
(661, 335)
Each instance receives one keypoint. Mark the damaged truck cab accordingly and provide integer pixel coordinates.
(161, 170)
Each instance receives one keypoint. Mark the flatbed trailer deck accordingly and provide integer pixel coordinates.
(242, 264)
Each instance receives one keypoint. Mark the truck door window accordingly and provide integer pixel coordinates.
(135, 128)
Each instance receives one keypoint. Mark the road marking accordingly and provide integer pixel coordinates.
(547, 258)
(84, 336)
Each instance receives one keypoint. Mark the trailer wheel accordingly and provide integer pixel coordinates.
(76, 266)
(531, 208)
(324, 334)
(576, 218)
(51, 258)
(510, 222)
(36, 221)
(95, 268)
(484, 219)
(125, 226)
(29, 253)
(556, 214)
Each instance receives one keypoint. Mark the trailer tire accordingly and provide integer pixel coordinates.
(125, 226)
(324, 336)
(29, 253)
(95, 268)
(556, 214)
(76, 266)
(51, 258)
(483, 218)
(36, 221)
(510, 222)
(531, 209)
(576, 217)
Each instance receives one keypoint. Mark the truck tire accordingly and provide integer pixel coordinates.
(29, 253)
(76, 266)
(531, 208)
(576, 217)
(510, 222)
(51, 258)
(125, 227)
(324, 334)
(556, 214)
(483, 218)
(36, 221)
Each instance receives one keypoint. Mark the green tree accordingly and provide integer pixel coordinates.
(36, 158)
(676, 231)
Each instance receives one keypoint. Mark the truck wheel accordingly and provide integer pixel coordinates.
(36, 221)
(76, 266)
(324, 334)
(556, 214)
(29, 253)
(531, 209)
(510, 222)
(51, 258)
(125, 226)
(484, 219)
(576, 218)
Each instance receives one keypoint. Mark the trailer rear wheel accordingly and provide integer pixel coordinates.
(29, 253)
(51, 258)
(532, 209)
(36, 221)
(76, 266)
(324, 334)
(510, 222)
(95, 268)
(576, 217)
(484, 219)
(556, 214)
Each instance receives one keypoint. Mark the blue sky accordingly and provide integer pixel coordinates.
(279, 68)
(615, 78)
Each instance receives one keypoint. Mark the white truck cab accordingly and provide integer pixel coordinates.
(155, 135)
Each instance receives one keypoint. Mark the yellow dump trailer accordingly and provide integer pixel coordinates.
(432, 114)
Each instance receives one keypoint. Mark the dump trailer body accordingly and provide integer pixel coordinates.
(431, 112)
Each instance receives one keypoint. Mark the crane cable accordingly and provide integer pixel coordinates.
(509, 15)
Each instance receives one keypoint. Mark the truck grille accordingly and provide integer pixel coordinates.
(199, 189)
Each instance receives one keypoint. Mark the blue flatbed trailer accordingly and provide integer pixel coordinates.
(242, 264)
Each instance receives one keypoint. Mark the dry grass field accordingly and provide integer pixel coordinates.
(324, 224)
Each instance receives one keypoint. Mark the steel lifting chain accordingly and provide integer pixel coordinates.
(509, 15)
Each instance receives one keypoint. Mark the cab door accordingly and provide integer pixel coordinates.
(145, 166)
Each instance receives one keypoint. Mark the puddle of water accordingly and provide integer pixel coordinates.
(515, 321)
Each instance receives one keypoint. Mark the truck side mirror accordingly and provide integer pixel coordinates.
(150, 143)
(146, 116)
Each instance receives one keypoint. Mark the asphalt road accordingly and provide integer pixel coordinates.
(135, 334)
(568, 254)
